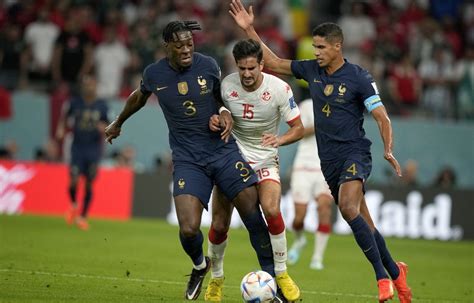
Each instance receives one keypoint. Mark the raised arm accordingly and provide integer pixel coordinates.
(135, 101)
(245, 21)
(385, 127)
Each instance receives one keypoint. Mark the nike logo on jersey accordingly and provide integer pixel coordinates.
(160, 88)
(317, 81)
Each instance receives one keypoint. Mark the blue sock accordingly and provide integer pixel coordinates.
(87, 201)
(260, 240)
(366, 241)
(387, 260)
(193, 247)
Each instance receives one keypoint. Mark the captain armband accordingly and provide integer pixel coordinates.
(372, 103)
(223, 108)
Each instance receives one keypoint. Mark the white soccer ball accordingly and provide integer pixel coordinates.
(258, 286)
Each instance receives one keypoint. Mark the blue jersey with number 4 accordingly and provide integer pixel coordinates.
(339, 101)
(187, 98)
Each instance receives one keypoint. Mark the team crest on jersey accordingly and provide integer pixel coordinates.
(342, 89)
(328, 89)
(183, 88)
(181, 183)
(203, 83)
(266, 96)
(340, 95)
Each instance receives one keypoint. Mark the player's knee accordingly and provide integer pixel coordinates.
(188, 230)
(271, 210)
(298, 224)
(220, 228)
(348, 210)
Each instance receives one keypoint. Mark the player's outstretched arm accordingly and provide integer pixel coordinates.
(135, 101)
(385, 126)
(244, 20)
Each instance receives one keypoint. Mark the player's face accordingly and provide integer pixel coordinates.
(250, 72)
(325, 51)
(181, 49)
(89, 86)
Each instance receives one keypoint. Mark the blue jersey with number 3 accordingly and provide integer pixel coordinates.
(187, 98)
(338, 105)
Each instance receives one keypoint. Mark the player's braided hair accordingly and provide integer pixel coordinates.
(179, 26)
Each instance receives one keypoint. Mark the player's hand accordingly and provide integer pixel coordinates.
(226, 123)
(112, 131)
(270, 140)
(243, 18)
(214, 123)
(393, 162)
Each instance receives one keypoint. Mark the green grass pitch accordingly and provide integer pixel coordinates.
(44, 260)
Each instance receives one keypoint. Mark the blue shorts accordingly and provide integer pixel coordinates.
(356, 166)
(84, 162)
(231, 173)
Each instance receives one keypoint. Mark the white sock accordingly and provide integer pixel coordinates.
(300, 240)
(320, 243)
(279, 251)
(216, 253)
(200, 266)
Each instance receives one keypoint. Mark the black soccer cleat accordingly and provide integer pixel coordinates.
(279, 297)
(195, 281)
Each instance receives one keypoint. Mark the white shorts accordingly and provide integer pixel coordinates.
(306, 185)
(268, 170)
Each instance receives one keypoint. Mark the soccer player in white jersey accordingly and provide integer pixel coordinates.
(307, 181)
(257, 102)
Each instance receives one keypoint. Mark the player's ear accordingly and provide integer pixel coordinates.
(262, 65)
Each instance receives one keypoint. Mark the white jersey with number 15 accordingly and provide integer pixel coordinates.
(258, 112)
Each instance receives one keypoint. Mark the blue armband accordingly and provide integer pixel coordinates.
(372, 102)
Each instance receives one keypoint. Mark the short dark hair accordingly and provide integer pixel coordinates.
(247, 48)
(330, 31)
(179, 26)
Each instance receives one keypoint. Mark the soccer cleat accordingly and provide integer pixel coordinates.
(195, 281)
(295, 250)
(316, 265)
(71, 215)
(214, 290)
(82, 223)
(288, 287)
(404, 292)
(279, 298)
(385, 290)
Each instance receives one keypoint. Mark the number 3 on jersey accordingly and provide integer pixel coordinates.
(326, 109)
(244, 171)
(190, 108)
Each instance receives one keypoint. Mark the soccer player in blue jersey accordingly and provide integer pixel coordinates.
(340, 92)
(187, 85)
(88, 116)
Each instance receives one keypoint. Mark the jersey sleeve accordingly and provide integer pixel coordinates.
(369, 92)
(301, 68)
(145, 86)
(288, 108)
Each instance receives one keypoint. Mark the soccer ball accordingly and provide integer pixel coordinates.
(258, 286)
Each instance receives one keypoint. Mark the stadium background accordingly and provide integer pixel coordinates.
(420, 52)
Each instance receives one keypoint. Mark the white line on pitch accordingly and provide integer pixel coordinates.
(324, 293)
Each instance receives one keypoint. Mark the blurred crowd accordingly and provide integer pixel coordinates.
(420, 51)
